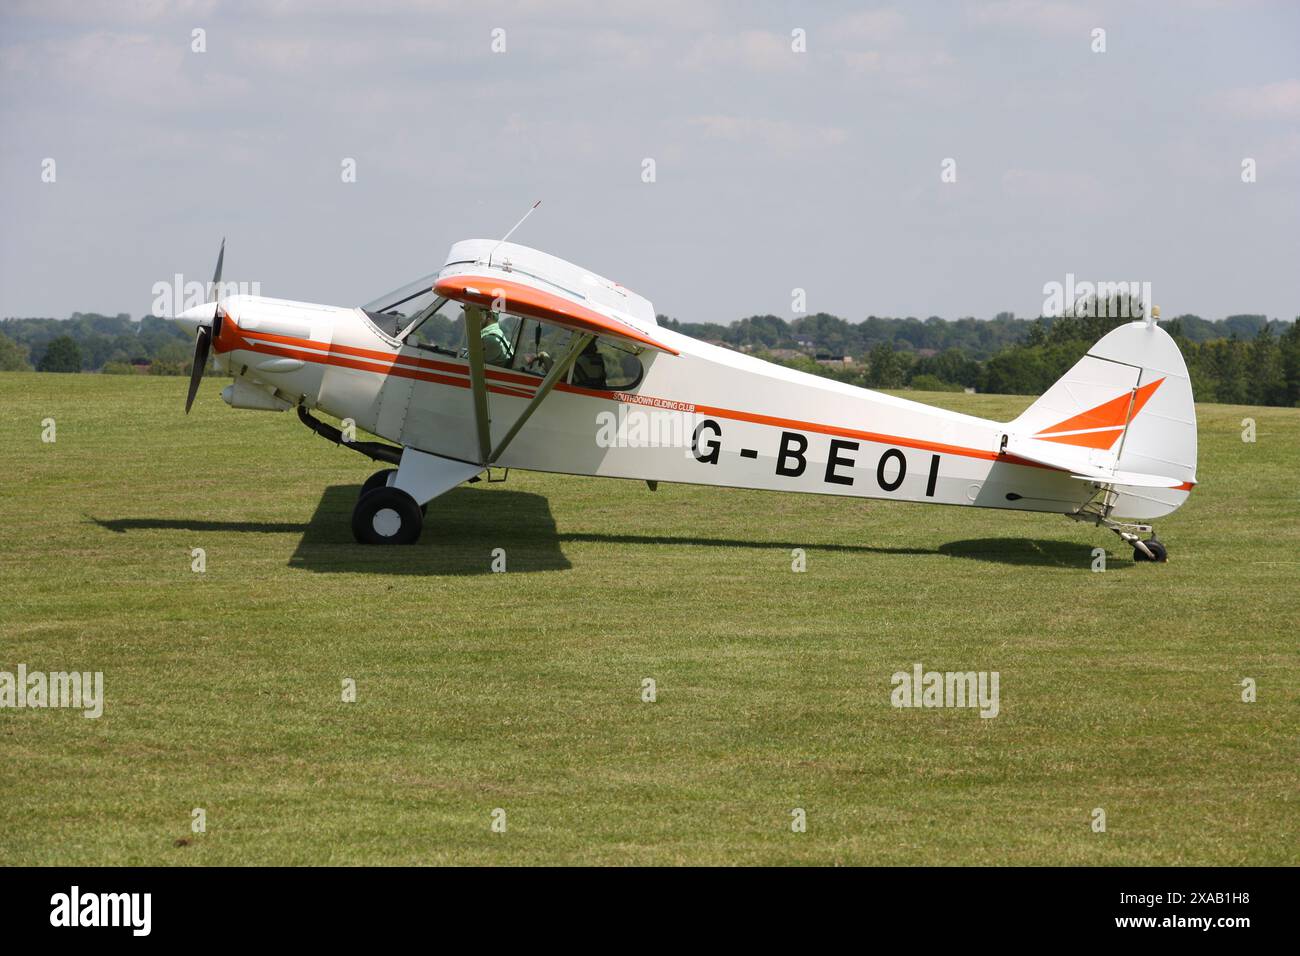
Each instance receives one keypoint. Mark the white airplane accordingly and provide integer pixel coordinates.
(561, 370)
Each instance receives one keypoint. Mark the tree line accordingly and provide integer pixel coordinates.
(1241, 359)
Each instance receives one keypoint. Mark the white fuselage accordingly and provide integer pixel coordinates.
(707, 415)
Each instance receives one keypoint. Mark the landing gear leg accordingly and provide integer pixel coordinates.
(1097, 512)
(392, 510)
(382, 479)
(1150, 550)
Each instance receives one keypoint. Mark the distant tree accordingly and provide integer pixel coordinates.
(932, 383)
(1265, 379)
(1017, 371)
(950, 366)
(885, 367)
(1227, 360)
(61, 355)
(13, 356)
(1289, 347)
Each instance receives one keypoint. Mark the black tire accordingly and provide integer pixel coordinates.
(1157, 549)
(387, 516)
(378, 480)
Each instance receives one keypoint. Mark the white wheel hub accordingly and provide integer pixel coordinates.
(386, 522)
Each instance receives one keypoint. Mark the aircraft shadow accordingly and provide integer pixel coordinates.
(123, 525)
(464, 526)
(1028, 551)
(461, 530)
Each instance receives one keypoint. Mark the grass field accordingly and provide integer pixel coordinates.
(522, 691)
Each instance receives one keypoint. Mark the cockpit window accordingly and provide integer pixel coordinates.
(604, 365)
(419, 317)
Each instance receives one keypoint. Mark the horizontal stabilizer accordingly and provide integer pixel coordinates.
(1065, 459)
(1133, 479)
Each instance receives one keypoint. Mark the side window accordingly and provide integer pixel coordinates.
(439, 331)
(538, 346)
(603, 364)
(500, 338)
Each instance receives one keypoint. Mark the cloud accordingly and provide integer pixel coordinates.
(1041, 16)
(777, 135)
(876, 44)
(761, 50)
(916, 70)
(872, 25)
(1268, 101)
(123, 11)
(1058, 187)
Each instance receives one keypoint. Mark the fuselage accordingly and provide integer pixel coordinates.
(707, 415)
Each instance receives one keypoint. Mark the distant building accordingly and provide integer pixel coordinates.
(833, 361)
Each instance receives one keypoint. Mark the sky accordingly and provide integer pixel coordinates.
(944, 158)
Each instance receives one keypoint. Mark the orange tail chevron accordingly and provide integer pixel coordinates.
(1100, 427)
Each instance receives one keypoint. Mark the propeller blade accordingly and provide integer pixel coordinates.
(202, 342)
(216, 276)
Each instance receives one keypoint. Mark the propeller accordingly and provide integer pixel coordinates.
(203, 338)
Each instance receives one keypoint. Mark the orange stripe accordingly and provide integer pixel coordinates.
(386, 357)
(1099, 440)
(527, 300)
(388, 368)
(1114, 414)
(379, 368)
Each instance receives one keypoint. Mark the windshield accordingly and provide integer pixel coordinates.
(437, 326)
(404, 300)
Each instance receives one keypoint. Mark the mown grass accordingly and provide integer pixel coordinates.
(522, 690)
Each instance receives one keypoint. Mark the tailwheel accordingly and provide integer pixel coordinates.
(1150, 550)
(387, 515)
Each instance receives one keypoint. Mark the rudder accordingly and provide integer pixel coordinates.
(1126, 406)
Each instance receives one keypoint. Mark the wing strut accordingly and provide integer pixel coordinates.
(478, 381)
(556, 373)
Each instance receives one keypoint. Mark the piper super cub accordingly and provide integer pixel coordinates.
(561, 370)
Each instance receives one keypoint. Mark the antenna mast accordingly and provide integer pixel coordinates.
(512, 230)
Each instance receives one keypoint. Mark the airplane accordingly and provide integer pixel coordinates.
(558, 369)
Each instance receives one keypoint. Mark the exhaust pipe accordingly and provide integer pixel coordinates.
(379, 451)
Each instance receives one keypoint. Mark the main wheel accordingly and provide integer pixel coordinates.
(378, 480)
(1157, 550)
(387, 516)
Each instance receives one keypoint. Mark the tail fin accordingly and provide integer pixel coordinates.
(1124, 409)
